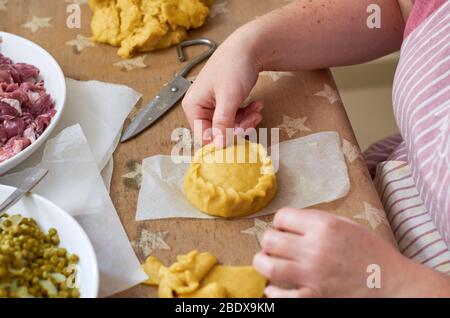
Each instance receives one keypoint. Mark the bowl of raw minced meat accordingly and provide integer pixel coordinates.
(32, 97)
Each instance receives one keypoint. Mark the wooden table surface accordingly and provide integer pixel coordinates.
(284, 94)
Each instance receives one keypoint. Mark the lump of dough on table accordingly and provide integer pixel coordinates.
(151, 267)
(145, 25)
(211, 290)
(235, 181)
(238, 281)
(197, 275)
(183, 277)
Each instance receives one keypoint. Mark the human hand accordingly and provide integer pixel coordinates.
(322, 255)
(219, 90)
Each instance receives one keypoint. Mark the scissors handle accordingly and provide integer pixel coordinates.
(197, 60)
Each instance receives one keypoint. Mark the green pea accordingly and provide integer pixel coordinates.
(63, 294)
(73, 258)
(55, 239)
(75, 293)
(32, 255)
(62, 252)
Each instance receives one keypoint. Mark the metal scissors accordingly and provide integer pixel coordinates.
(171, 93)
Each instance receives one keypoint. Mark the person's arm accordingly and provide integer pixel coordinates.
(307, 35)
(304, 35)
(422, 281)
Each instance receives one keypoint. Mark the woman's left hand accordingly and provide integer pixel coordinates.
(322, 255)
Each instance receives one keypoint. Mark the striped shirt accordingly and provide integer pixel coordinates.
(412, 170)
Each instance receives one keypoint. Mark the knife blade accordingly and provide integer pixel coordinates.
(167, 97)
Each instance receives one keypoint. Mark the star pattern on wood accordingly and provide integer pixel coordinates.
(3, 4)
(219, 8)
(135, 174)
(79, 2)
(37, 23)
(258, 229)
(275, 76)
(294, 125)
(131, 64)
(80, 43)
(150, 241)
(373, 216)
(350, 151)
(329, 93)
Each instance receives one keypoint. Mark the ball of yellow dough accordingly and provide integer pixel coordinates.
(235, 181)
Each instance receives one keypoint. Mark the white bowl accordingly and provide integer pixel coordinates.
(72, 236)
(22, 50)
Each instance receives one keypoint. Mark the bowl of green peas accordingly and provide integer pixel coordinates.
(44, 252)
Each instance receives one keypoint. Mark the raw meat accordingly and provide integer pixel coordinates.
(26, 109)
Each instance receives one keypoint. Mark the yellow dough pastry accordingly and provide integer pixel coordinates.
(212, 290)
(145, 25)
(235, 181)
(238, 281)
(197, 275)
(151, 267)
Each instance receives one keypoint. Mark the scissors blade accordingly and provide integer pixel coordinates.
(167, 97)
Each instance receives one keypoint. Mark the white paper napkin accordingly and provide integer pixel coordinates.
(80, 147)
(103, 117)
(312, 170)
(73, 181)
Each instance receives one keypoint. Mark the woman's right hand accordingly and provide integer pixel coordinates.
(216, 96)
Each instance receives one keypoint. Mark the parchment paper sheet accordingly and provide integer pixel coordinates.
(73, 181)
(312, 170)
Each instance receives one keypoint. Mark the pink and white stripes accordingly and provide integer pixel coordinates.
(414, 176)
(421, 99)
(414, 230)
(381, 151)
